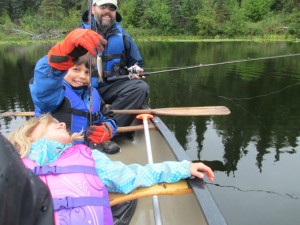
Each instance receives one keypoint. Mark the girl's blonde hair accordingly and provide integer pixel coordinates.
(21, 137)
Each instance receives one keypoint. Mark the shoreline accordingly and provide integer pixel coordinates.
(22, 40)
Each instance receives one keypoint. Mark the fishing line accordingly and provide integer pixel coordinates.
(290, 196)
(130, 76)
(260, 96)
(221, 63)
(232, 100)
(257, 96)
(239, 106)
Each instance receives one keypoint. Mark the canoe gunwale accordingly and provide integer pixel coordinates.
(205, 199)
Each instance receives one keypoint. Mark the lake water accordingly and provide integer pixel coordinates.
(254, 150)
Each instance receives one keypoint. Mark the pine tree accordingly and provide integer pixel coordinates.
(51, 9)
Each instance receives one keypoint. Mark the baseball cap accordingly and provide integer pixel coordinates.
(102, 2)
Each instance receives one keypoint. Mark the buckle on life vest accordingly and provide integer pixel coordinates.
(62, 203)
(74, 202)
(45, 170)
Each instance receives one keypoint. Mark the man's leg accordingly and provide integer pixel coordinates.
(125, 94)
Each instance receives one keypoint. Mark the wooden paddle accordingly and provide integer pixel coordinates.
(179, 111)
(176, 111)
(178, 188)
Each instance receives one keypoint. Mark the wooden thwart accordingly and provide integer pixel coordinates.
(8, 114)
(178, 188)
(133, 128)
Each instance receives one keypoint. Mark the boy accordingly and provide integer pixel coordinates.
(61, 86)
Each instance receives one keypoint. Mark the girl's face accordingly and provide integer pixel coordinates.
(78, 76)
(54, 131)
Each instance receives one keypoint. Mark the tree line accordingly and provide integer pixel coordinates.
(203, 18)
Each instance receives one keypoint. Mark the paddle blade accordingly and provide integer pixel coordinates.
(180, 111)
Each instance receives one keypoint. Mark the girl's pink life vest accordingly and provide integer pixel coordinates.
(79, 196)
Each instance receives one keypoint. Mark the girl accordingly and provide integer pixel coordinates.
(79, 178)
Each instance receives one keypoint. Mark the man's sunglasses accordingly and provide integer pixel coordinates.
(109, 6)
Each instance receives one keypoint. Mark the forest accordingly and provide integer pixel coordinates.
(212, 19)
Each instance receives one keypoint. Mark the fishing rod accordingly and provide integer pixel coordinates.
(132, 69)
(90, 5)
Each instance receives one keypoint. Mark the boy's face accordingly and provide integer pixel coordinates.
(78, 76)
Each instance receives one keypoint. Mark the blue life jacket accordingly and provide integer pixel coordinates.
(113, 56)
(74, 112)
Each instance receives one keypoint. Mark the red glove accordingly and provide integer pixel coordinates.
(77, 43)
(99, 134)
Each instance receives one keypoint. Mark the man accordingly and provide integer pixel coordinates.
(119, 54)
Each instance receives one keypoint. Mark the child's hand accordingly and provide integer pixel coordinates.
(197, 170)
(77, 43)
(99, 134)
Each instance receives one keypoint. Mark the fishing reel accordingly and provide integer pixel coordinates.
(132, 69)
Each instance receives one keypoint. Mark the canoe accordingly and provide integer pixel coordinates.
(196, 208)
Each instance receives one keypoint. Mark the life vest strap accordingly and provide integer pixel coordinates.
(55, 170)
(110, 57)
(74, 202)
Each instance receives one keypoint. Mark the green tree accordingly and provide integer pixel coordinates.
(293, 23)
(177, 15)
(5, 21)
(4, 6)
(32, 5)
(129, 13)
(51, 9)
(207, 23)
(236, 25)
(255, 10)
(183, 14)
(158, 16)
(290, 5)
(72, 4)
(17, 8)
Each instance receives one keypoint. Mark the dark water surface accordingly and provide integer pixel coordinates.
(254, 151)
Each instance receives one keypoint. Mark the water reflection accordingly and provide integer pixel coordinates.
(263, 96)
(16, 69)
(253, 147)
